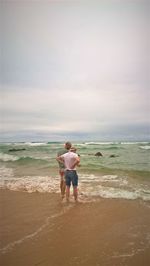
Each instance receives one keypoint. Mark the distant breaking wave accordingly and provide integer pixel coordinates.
(146, 147)
(114, 143)
(100, 143)
(7, 157)
(12, 158)
(35, 143)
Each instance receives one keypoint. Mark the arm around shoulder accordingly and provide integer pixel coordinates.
(59, 159)
(76, 163)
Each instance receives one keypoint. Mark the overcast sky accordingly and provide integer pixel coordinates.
(75, 70)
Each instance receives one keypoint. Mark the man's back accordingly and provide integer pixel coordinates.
(70, 158)
(61, 152)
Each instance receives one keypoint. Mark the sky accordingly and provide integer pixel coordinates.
(75, 70)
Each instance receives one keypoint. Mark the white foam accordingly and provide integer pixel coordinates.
(112, 186)
(106, 186)
(6, 172)
(131, 142)
(114, 193)
(31, 184)
(7, 157)
(35, 143)
(100, 143)
(109, 177)
(89, 177)
(104, 178)
(121, 181)
(145, 147)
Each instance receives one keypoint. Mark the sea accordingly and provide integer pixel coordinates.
(122, 170)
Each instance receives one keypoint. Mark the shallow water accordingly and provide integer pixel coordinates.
(122, 172)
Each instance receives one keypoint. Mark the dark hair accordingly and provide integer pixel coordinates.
(73, 149)
(68, 145)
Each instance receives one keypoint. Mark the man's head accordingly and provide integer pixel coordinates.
(68, 145)
(73, 149)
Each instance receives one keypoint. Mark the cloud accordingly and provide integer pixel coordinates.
(73, 110)
(75, 68)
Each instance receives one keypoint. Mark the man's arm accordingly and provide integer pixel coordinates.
(60, 159)
(77, 161)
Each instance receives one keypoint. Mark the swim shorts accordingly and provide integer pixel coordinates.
(71, 177)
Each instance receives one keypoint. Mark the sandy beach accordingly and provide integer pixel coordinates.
(38, 229)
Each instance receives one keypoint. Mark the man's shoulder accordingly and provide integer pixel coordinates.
(61, 152)
(73, 155)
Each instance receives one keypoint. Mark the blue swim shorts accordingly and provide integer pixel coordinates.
(71, 177)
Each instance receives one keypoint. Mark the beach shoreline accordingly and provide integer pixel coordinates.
(38, 229)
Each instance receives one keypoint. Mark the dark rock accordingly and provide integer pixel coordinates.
(113, 156)
(17, 150)
(98, 154)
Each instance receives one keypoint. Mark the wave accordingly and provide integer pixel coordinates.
(4, 157)
(90, 186)
(31, 184)
(6, 173)
(115, 142)
(113, 148)
(100, 143)
(24, 143)
(27, 159)
(35, 143)
(7, 157)
(54, 142)
(116, 193)
(134, 142)
(146, 147)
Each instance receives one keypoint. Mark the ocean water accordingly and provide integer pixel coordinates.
(123, 170)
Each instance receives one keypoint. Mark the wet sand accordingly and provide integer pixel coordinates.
(38, 229)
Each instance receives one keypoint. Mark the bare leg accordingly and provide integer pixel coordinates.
(62, 183)
(62, 187)
(67, 193)
(75, 193)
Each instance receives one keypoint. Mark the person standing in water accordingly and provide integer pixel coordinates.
(67, 147)
(70, 160)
